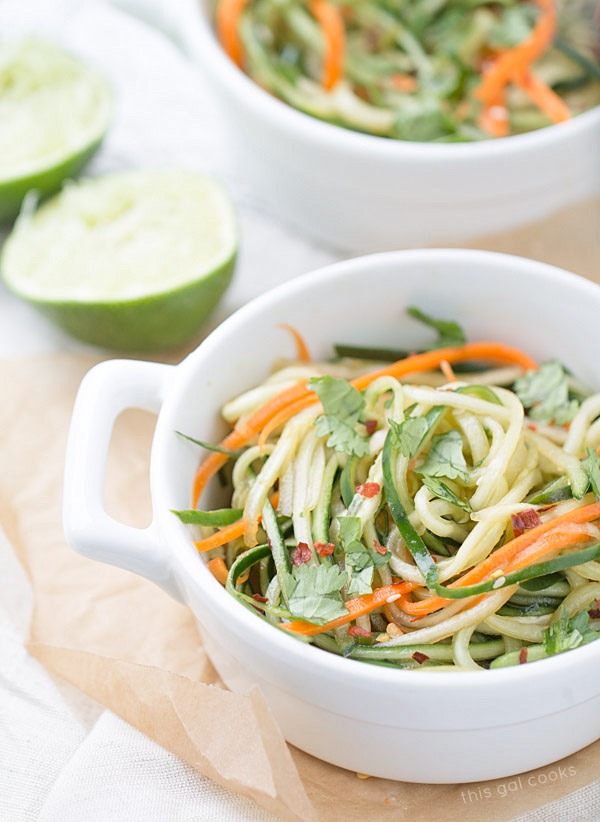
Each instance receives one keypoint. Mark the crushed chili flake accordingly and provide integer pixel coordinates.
(324, 550)
(525, 521)
(259, 598)
(522, 656)
(381, 549)
(356, 630)
(594, 612)
(419, 657)
(368, 489)
(532, 427)
(371, 426)
(301, 554)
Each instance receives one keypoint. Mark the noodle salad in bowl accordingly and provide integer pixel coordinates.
(435, 509)
(371, 510)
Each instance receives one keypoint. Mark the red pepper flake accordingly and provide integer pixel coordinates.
(525, 521)
(324, 550)
(419, 657)
(368, 489)
(532, 427)
(381, 549)
(594, 612)
(371, 426)
(301, 554)
(259, 598)
(522, 656)
(356, 630)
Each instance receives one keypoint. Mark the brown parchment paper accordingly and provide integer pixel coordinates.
(133, 649)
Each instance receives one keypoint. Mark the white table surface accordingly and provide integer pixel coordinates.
(62, 757)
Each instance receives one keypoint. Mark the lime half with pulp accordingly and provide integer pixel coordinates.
(54, 112)
(135, 260)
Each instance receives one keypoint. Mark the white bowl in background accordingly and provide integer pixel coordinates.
(356, 192)
(457, 727)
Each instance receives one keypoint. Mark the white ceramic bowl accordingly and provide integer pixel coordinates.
(457, 726)
(361, 193)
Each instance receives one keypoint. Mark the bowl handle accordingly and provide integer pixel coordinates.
(107, 390)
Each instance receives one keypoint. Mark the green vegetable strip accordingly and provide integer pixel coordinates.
(241, 564)
(280, 553)
(529, 654)
(361, 352)
(481, 392)
(413, 541)
(538, 570)
(556, 491)
(592, 69)
(434, 543)
(321, 517)
(438, 652)
(348, 481)
(218, 518)
(227, 451)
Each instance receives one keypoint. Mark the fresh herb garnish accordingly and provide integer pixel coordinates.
(342, 404)
(313, 592)
(566, 634)
(360, 560)
(449, 332)
(591, 466)
(545, 393)
(408, 435)
(446, 458)
(442, 491)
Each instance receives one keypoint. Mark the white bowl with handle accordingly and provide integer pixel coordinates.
(356, 192)
(458, 727)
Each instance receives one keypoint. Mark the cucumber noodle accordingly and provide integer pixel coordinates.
(502, 465)
(411, 70)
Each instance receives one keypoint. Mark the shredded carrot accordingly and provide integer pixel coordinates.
(517, 61)
(356, 608)
(447, 371)
(224, 535)
(301, 347)
(229, 532)
(494, 119)
(218, 569)
(404, 82)
(547, 100)
(331, 21)
(228, 17)
(284, 404)
(430, 360)
(283, 416)
(509, 557)
(508, 552)
(549, 543)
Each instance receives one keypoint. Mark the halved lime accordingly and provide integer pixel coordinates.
(54, 112)
(134, 260)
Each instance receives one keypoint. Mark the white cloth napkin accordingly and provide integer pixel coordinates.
(61, 756)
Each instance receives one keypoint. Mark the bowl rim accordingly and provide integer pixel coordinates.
(200, 39)
(257, 632)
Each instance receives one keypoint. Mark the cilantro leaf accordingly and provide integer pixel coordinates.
(566, 634)
(314, 592)
(342, 404)
(446, 458)
(546, 394)
(360, 561)
(441, 490)
(449, 332)
(591, 466)
(408, 436)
